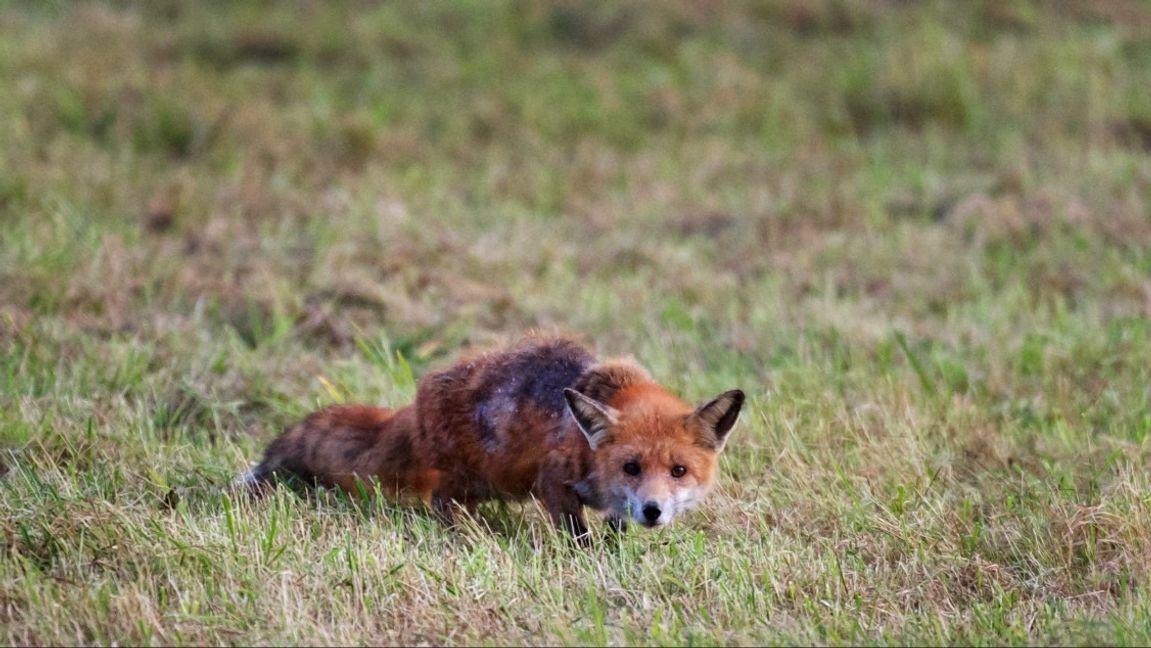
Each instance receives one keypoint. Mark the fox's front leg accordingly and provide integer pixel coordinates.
(567, 513)
(563, 505)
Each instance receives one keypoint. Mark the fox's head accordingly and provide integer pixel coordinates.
(654, 455)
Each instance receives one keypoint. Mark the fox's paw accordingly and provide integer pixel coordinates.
(583, 540)
(617, 525)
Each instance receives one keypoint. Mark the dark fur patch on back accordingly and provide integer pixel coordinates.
(487, 421)
(535, 374)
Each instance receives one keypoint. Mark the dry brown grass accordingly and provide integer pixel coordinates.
(916, 234)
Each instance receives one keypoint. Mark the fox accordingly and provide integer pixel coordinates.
(543, 418)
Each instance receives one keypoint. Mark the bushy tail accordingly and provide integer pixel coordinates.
(257, 480)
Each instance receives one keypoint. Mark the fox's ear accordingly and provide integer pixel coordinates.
(593, 417)
(716, 417)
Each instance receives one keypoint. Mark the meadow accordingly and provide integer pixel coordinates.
(917, 234)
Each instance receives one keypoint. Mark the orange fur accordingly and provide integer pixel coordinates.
(541, 419)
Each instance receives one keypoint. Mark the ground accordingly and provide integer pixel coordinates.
(916, 234)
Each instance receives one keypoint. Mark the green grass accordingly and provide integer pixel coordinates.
(917, 234)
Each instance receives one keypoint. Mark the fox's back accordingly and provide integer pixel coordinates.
(497, 414)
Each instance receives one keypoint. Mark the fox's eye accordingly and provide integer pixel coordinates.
(631, 468)
(678, 471)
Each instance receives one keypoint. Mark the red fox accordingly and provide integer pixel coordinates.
(542, 419)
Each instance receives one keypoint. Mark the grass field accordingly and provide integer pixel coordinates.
(918, 234)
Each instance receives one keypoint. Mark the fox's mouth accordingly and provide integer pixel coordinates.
(650, 524)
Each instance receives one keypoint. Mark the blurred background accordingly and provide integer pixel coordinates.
(916, 233)
(749, 181)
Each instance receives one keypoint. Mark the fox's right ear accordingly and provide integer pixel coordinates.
(593, 417)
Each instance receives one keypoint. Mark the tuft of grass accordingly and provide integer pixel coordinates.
(915, 234)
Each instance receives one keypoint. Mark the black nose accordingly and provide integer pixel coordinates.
(651, 511)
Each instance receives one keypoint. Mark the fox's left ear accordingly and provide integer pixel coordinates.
(716, 417)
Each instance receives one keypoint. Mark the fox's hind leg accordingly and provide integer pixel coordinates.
(450, 493)
(424, 483)
(445, 508)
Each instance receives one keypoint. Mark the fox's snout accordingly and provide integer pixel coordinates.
(650, 513)
(658, 509)
(655, 513)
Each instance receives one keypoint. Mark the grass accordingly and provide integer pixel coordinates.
(916, 234)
